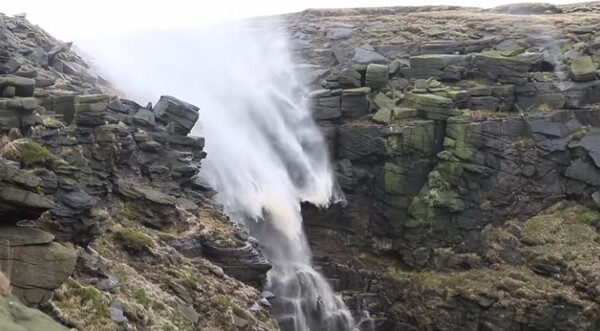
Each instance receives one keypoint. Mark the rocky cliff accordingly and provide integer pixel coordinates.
(466, 142)
(105, 225)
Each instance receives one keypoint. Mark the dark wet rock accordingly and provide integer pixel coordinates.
(78, 199)
(579, 94)
(355, 102)
(22, 87)
(189, 247)
(19, 195)
(326, 106)
(245, 263)
(534, 95)
(182, 114)
(583, 171)
(505, 69)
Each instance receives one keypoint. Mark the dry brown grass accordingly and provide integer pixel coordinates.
(5, 287)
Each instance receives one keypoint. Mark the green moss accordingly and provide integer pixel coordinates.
(579, 134)
(222, 304)
(26, 151)
(565, 233)
(134, 239)
(164, 236)
(126, 215)
(488, 282)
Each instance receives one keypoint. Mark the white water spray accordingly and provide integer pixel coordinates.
(265, 153)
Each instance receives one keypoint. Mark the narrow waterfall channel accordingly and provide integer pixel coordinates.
(265, 153)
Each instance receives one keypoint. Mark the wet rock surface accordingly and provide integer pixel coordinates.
(484, 122)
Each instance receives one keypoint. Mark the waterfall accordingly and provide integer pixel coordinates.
(265, 153)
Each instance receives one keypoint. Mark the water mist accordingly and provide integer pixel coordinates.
(265, 153)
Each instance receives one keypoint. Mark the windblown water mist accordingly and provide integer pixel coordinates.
(265, 153)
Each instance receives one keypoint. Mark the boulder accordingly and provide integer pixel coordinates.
(382, 101)
(582, 69)
(337, 33)
(327, 107)
(172, 110)
(245, 263)
(14, 316)
(90, 109)
(591, 143)
(38, 265)
(19, 196)
(434, 106)
(366, 54)
(355, 102)
(144, 117)
(349, 78)
(377, 76)
(496, 65)
(23, 87)
(594, 46)
(584, 172)
(534, 95)
(383, 116)
(117, 105)
(579, 94)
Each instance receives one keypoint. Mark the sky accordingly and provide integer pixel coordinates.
(73, 19)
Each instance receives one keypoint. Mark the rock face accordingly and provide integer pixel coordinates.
(481, 141)
(182, 114)
(38, 266)
(104, 221)
(16, 316)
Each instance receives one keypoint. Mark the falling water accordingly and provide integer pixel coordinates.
(265, 153)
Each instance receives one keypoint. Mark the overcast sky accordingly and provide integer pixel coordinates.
(72, 19)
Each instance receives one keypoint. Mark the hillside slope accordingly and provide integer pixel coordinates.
(104, 223)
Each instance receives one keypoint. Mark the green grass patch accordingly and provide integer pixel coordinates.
(26, 151)
(134, 239)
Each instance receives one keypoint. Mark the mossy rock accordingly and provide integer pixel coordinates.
(26, 151)
(582, 69)
(134, 239)
(14, 316)
(394, 178)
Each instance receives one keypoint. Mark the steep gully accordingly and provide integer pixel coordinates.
(265, 153)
